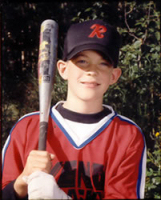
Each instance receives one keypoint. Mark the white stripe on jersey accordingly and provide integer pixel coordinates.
(141, 181)
(143, 175)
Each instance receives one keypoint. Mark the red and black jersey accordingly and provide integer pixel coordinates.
(109, 162)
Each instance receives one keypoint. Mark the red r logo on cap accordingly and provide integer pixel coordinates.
(99, 31)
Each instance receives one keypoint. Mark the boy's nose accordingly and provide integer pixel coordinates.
(92, 70)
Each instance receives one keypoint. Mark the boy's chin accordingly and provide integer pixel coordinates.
(89, 98)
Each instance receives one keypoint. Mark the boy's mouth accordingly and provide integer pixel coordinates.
(90, 84)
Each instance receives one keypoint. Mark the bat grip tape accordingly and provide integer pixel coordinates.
(43, 135)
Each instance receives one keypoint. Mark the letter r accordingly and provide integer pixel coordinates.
(98, 31)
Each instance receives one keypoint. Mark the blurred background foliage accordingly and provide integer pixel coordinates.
(137, 95)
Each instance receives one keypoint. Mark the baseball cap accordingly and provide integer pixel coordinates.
(92, 35)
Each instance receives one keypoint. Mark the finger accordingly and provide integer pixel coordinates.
(39, 153)
(42, 154)
(52, 156)
(42, 165)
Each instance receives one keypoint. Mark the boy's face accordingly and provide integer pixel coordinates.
(89, 76)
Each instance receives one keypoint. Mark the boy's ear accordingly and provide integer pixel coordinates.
(116, 73)
(62, 66)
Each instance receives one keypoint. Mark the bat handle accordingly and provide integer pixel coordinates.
(42, 137)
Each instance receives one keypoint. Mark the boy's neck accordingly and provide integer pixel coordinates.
(84, 107)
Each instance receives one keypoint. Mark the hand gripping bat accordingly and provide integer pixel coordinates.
(46, 70)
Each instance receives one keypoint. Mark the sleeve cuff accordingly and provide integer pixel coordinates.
(8, 193)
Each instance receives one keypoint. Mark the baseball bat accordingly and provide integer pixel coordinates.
(46, 71)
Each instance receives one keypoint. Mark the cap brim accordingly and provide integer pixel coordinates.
(95, 47)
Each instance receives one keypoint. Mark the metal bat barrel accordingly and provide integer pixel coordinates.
(46, 71)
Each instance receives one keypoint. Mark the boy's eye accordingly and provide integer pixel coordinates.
(104, 64)
(81, 62)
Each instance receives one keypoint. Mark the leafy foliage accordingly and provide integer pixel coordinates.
(137, 94)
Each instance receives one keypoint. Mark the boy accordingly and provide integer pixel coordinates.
(92, 152)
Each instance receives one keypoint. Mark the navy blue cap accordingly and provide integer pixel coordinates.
(92, 35)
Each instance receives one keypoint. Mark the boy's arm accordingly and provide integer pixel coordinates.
(17, 163)
(126, 180)
(18, 146)
(17, 159)
(36, 161)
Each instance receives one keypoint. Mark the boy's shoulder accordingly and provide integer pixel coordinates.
(121, 118)
(126, 120)
(27, 119)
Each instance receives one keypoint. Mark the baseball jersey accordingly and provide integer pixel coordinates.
(98, 156)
